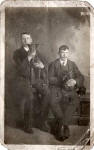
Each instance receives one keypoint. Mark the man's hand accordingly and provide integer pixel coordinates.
(71, 83)
(39, 64)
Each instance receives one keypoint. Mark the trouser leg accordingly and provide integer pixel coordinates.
(28, 111)
(57, 112)
(69, 106)
(51, 100)
(45, 110)
(56, 97)
(63, 108)
(45, 105)
(28, 114)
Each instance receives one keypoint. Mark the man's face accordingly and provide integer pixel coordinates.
(26, 39)
(64, 54)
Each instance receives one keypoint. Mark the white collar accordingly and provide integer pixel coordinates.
(64, 63)
(26, 49)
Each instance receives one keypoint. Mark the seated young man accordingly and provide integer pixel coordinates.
(64, 80)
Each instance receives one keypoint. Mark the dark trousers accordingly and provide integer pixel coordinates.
(43, 104)
(32, 103)
(25, 98)
(34, 113)
(63, 104)
(29, 110)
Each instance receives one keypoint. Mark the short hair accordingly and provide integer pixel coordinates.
(63, 47)
(28, 33)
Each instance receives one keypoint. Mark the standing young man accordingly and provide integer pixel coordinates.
(31, 77)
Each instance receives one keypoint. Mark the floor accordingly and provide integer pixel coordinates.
(18, 136)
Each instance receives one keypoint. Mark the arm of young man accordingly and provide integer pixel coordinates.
(77, 79)
(22, 64)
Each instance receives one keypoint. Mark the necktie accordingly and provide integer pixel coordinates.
(63, 63)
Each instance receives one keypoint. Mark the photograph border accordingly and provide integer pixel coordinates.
(29, 3)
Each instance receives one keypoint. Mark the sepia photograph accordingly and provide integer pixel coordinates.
(47, 75)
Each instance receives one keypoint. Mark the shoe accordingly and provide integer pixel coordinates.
(28, 130)
(62, 134)
(60, 138)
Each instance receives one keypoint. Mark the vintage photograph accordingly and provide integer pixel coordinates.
(47, 75)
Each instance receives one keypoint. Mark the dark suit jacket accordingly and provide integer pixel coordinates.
(57, 73)
(24, 67)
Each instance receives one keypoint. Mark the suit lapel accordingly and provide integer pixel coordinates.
(69, 65)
